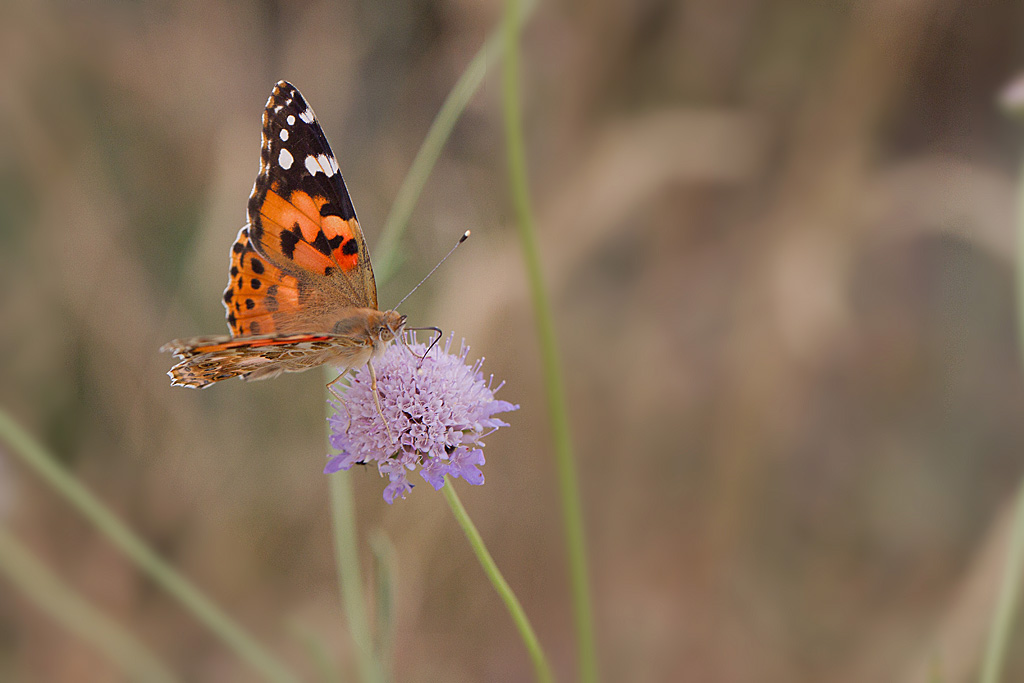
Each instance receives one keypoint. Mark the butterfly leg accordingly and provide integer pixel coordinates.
(341, 399)
(376, 400)
(330, 386)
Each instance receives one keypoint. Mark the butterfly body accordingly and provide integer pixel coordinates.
(301, 291)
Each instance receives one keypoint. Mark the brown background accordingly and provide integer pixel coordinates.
(778, 240)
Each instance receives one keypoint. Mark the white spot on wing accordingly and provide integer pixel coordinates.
(334, 163)
(291, 120)
(285, 159)
(312, 166)
(325, 163)
(319, 164)
(284, 134)
(307, 115)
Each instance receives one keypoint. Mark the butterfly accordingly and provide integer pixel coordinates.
(301, 291)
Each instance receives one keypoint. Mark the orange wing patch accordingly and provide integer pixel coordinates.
(257, 291)
(295, 229)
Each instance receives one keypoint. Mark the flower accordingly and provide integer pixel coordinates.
(437, 409)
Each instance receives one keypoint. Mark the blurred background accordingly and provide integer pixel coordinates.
(778, 238)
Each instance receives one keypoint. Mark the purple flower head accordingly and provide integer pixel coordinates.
(437, 412)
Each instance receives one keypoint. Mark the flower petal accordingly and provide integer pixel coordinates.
(464, 463)
(396, 489)
(338, 462)
(433, 473)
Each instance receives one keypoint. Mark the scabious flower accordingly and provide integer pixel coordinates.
(437, 409)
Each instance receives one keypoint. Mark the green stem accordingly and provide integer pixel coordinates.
(39, 460)
(454, 104)
(540, 662)
(384, 601)
(1008, 601)
(1009, 593)
(35, 580)
(555, 390)
(350, 582)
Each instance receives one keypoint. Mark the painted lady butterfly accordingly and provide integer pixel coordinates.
(301, 291)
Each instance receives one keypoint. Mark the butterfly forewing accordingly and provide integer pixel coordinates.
(300, 212)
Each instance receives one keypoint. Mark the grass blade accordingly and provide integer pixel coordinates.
(190, 597)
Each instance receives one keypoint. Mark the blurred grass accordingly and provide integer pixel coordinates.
(568, 482)
(31, 577)
(429, 152)
(1008, 602)
(158, 570)
(350, 582)
(779, 242)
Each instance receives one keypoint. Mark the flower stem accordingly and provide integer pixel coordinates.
(540, 662)
(571, 506)
(1009, 593)
(190, 597)
(35, 580)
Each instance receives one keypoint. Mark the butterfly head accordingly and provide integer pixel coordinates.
(369, 328)
(390, 326)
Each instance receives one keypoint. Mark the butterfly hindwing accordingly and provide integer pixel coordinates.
(205, 360)
(300, 212)
(260, 298)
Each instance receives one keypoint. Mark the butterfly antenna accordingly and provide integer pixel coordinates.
(462, 239)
